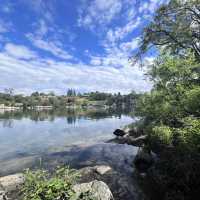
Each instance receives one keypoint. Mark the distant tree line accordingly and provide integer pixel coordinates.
(8, 98)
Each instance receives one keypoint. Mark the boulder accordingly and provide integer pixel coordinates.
(95, 189)
(122, 186)
(119, 132)
(3, 195)
(12, 182)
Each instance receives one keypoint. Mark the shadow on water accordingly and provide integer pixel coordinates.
(119, 157)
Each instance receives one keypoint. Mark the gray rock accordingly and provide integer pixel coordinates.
(12, 182)
(102, 169)
(122, 186)
(97, 189)
(3, 195)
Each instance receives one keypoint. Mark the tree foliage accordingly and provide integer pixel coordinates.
(175, 27)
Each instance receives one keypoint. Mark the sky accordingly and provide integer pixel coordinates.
(53, 45)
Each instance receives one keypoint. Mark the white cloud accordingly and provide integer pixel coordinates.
(151, 6)
(19, 51)
(96, 61)
(98, 12)
(47, 75)
(43, 29)
(53, 47)
(108, 72)
(120, 32)
(41, 7)
(129, 47)
(144, 6)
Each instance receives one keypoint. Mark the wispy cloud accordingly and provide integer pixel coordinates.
(120, 32)
(98, 12)
(53, 47)
(5, 26)
(44, 8)
(19, 51)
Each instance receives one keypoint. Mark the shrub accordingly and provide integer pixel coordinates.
(41, 185)
(190, 134)
(163, 133)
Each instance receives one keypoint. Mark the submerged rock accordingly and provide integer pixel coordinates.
(95, 189)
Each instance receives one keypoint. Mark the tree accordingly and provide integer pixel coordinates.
(71, 92)
(175, 90)
(35, 94)
(9, 91)
(175, 27)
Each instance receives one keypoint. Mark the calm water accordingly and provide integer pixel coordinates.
(74, 137)
(26, 135)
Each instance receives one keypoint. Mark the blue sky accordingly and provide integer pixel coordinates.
(52, 45)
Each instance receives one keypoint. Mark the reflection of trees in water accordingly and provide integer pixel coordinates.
(71, 115)
(71, 119)
(8, 123)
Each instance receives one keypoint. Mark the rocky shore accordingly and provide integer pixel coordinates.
(102, 181)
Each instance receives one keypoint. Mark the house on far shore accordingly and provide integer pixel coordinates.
(97, 104)
(19, 105)
(2, 106)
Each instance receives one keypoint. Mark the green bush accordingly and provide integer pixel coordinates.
(163, 133)
(189, 134)
(41, 185)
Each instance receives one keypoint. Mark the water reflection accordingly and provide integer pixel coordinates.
(31, 133)
(8, 123)
(71, 115)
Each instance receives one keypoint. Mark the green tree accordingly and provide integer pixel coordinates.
(175, 27)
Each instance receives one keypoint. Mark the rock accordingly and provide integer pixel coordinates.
(119, 132)
(3, 195)
(126, 129)
(130, 140)
(102, 169)
(139, 141)
(12, 182)
(97, 189)
(122, 186)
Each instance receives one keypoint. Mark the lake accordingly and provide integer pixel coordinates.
(28, 136)
(75, 137)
